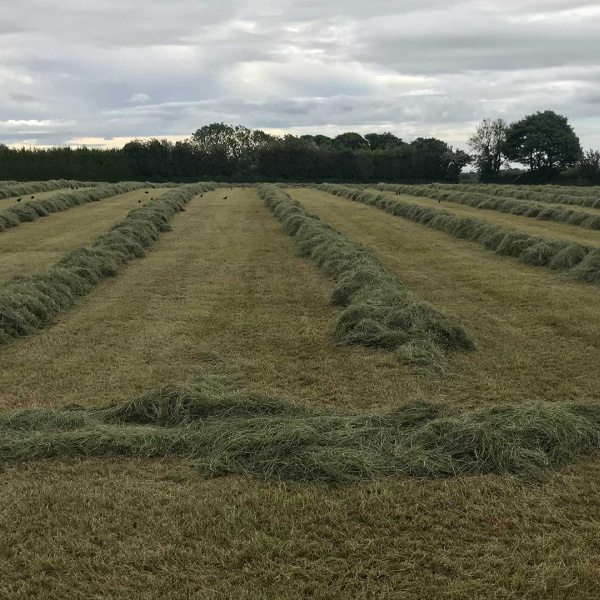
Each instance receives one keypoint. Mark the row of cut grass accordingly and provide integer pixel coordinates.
(27, 212)
(378, 309)
(34, 187)
(589, 197)
(228, 430)
(534, 227)
(29, 303)
(579, 262)
(35, 246)
(512, 206)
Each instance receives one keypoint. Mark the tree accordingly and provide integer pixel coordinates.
(589, 165)
(487, 146)
(215, 138)
(350, 141)
(544, 141)
(383, 141)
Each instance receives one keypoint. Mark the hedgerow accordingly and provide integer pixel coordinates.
(580, 263)
(31, 302)
(32, 210)
(225, 429)
(524, 208)
(378, 309)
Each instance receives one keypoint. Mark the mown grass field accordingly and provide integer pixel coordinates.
(36, 245)
(558, 231)
(228, 280)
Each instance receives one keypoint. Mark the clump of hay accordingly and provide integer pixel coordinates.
(424, 355)
(225, 429)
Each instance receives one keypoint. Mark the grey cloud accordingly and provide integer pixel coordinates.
(410, 66)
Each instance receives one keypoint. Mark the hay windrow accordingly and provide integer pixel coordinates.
(36, 187)
(61, 201)
(578, 261)
(225, 429)
(32, 302)
(551, 194)
(378, 309)
(475, 197)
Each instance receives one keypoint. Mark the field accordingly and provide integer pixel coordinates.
(352, 398)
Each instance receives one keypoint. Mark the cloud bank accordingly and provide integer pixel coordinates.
(105, 71)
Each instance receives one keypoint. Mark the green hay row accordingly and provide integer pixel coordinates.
(227, 430)
(33, 210)
(552, 194)
(31, 302)
(579, 262)
(36, 187)
(523, 208)
(378, 309)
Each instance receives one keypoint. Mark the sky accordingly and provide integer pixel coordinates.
(102, 72)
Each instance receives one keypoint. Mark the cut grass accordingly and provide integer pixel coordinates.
(30, 211)
(537, 335)
(35, 187)
(553, 194)
(378, 310)
(31, 302)
(533, 227)
(511, 206)
(37, 245)
(532, 250)
(228, 430)
(227, 279)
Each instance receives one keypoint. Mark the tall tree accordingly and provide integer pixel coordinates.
(544, 141)
(350, 141)
(383, 141)
(487, 146)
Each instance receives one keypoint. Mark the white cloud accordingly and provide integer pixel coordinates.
(139, 99)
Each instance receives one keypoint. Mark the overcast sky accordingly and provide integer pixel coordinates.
(100, 72)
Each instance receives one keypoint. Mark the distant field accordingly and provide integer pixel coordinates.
(258, 289)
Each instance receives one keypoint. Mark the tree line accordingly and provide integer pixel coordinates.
(223, 152)
(543, 142)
